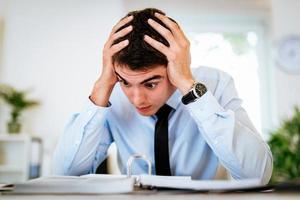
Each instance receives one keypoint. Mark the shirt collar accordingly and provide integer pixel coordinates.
(174, 100)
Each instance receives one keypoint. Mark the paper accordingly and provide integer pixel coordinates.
(187, 183)
(75, 185)
(103, 183)
(100, 184)
(160, 181)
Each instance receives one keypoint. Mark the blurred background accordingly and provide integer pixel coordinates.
(51, 50)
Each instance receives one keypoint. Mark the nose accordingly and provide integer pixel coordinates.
(138, 97)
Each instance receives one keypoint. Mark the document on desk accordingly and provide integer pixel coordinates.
(101, 184)
(76, 185)
(186, 183)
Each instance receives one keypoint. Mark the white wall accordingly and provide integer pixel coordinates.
(199, 7)
(2, 11)
(54, 48)
(204, 12)
(1, 40)
(285, 21)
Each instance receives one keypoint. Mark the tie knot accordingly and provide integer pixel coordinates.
(164, 111)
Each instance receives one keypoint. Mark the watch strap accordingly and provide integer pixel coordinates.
(197, 90)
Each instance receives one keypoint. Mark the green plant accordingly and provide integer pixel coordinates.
(285, 146)
(16, 100)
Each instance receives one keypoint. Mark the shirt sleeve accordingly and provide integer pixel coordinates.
(84, 142)
(229, 132)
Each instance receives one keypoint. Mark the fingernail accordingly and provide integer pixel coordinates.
(129, 27)
(130, 16)
(156, 14)
(150, 21)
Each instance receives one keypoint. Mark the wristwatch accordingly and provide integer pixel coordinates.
(197, 90)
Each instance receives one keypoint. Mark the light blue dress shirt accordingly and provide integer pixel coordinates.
(214, 129)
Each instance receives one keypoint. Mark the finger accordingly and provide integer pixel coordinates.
(121, 33)
(121, 23)
(162, 30)
(117, 35)
(177, 32)
(157, 45)
(118, 47)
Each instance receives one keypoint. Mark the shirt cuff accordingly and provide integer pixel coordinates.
(91, 112)
(90, 100)
(204, 107)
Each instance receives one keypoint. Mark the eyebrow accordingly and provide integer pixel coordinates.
(144, 81)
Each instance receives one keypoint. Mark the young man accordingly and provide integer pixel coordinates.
(185, 123)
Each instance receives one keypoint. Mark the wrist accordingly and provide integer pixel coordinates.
(101, 93)
(186, 85)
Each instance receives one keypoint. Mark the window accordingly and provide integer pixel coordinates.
(237, 51)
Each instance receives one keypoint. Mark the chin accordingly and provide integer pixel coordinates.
(146, 114)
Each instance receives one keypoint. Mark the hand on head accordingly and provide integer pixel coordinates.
(177, 53)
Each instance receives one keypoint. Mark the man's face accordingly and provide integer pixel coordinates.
(146, 89)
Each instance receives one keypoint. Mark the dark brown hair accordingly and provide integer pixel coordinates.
(139, 55)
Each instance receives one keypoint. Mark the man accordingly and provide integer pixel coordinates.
(185, 123)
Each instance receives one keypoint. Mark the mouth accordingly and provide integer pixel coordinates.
(143, 109)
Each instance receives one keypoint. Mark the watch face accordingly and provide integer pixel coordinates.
(197, 91)
(200, 89)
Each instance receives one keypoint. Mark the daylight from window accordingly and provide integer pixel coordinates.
(236, 54)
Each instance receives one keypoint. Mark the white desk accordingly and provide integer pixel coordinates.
(161, 195)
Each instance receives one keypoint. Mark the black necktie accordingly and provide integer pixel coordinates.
(161, 143)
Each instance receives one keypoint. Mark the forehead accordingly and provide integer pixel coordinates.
(140, 75)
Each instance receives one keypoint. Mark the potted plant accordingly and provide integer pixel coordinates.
(18, 102)
(285, 146)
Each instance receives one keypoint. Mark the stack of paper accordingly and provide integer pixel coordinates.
(99, 184)
(186, 183)
(76, 185)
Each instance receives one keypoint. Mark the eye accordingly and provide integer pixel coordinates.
(124, 83)
(151, 85)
